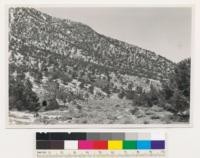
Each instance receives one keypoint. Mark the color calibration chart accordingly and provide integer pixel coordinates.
(100, 145)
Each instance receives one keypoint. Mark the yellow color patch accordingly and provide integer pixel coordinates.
(115, 145)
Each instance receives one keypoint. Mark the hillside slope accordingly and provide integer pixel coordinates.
(55, 56)
(44, 41)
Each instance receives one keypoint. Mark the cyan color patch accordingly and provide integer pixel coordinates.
(143, 144)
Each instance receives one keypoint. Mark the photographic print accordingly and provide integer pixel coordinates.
(99, 65)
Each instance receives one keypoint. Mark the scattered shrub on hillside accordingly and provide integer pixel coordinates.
(63, 95)
(121, 94)
(130, 94)
(153, 97)
(107, 89)
(175, 94)
(91, 89)
(182, 77)
(38, 77)
(21, 96)
(179, 101)
(177, 90)
(52, 87)
(52, 104)
(104, 85)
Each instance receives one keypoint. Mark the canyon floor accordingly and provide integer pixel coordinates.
(104, 111)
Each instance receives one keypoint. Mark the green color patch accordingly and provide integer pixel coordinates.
(129, 144)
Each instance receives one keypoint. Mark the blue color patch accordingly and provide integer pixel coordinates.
(143, 144)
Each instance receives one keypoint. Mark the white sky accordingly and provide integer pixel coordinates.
(166, 31)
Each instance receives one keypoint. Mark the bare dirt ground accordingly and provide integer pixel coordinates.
(106, 111)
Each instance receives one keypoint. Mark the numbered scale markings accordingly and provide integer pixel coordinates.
(99, 153)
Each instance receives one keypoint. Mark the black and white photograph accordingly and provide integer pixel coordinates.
(99, 65)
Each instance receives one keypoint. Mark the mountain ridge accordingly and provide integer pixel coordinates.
(109, 37)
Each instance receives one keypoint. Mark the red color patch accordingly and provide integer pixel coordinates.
(100, 144)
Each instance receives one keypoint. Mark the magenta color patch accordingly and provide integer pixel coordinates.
(85, 144)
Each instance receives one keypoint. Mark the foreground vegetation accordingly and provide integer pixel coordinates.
(107, 111)
(167, 105)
